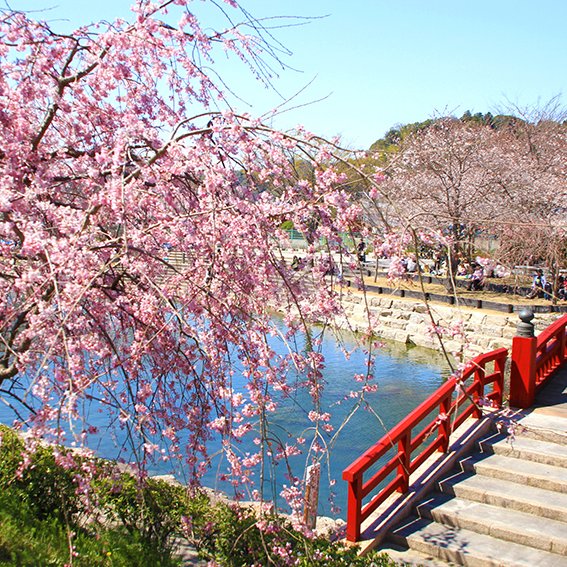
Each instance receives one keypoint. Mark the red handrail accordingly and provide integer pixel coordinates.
(449, 415)
(550, 351)
(534, 360)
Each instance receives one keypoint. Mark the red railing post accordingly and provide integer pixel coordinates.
(404, 456)
(500, 367)
(354, 508)
(562, 345)
(478, 393)
(523, 369)
(445, 423)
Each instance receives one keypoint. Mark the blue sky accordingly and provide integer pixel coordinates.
(378, 63)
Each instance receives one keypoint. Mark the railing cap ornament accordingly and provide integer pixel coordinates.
(525, 328)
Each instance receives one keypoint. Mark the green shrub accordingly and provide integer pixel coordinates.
(42, 517)
(149, 507)
(49, 490)
(42, 522)
(233, 539)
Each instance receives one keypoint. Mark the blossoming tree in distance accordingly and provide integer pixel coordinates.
(140, 239)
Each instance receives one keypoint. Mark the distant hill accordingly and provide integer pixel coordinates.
(397, 133)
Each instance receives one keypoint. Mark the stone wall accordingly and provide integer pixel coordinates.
(409, 321)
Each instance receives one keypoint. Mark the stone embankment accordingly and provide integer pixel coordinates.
(465, 330)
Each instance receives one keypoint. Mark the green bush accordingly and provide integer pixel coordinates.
(47, 489)
(42, 522)
(42, 517)
(152, 508)
(233, 539)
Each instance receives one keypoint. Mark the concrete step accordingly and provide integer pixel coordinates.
(506, 494)
(411, 558)
(527, 473)
(465, 547)
(543, 425)
(503, 523)
(526, 448)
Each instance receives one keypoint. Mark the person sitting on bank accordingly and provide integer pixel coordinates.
(562, 288)
(538, 285)
(361, 251)
(439, 264)
(411, 264)
(476, 282)
(464, 269)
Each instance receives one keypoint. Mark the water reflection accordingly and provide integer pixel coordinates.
(405, 376)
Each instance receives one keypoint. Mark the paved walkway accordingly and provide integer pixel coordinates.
(550, 411)
(553, 398)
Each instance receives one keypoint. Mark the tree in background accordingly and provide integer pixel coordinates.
(445, 181)
(502, 176)
(139, 238)
(534, 230)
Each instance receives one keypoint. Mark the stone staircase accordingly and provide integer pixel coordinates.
(506, 505)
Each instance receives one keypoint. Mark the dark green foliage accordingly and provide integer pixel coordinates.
(395, 135)
(48, 490)
(233, 539)
(151, 508)
(26, 540)
(43, 520)
(136, 521)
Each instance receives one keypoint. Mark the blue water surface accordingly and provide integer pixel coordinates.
(405, 376)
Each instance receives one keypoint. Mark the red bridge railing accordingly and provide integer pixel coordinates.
(534, 359)
(434, 420)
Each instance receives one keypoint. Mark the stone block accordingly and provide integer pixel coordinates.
(416, 330)
(395, 323)
(492, 330)
(495, 320)
(424, 341)
(386, 333)
(402, 337)
(483, 342)
(493, 344)
(509, 332)
(453, 346)
(419, 318)
(477, 319)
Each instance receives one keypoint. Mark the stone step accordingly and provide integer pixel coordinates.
(411, 558)
(542, 425)
(496, 492)
(526, 448)
(527, 473)
(503, 523)
(465, 547)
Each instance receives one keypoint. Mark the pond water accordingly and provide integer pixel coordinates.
(405, 376)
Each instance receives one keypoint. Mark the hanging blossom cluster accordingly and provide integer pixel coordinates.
(140, 240)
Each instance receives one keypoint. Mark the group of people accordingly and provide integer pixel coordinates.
(410, 264)
(543, 289)
(474, 273)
